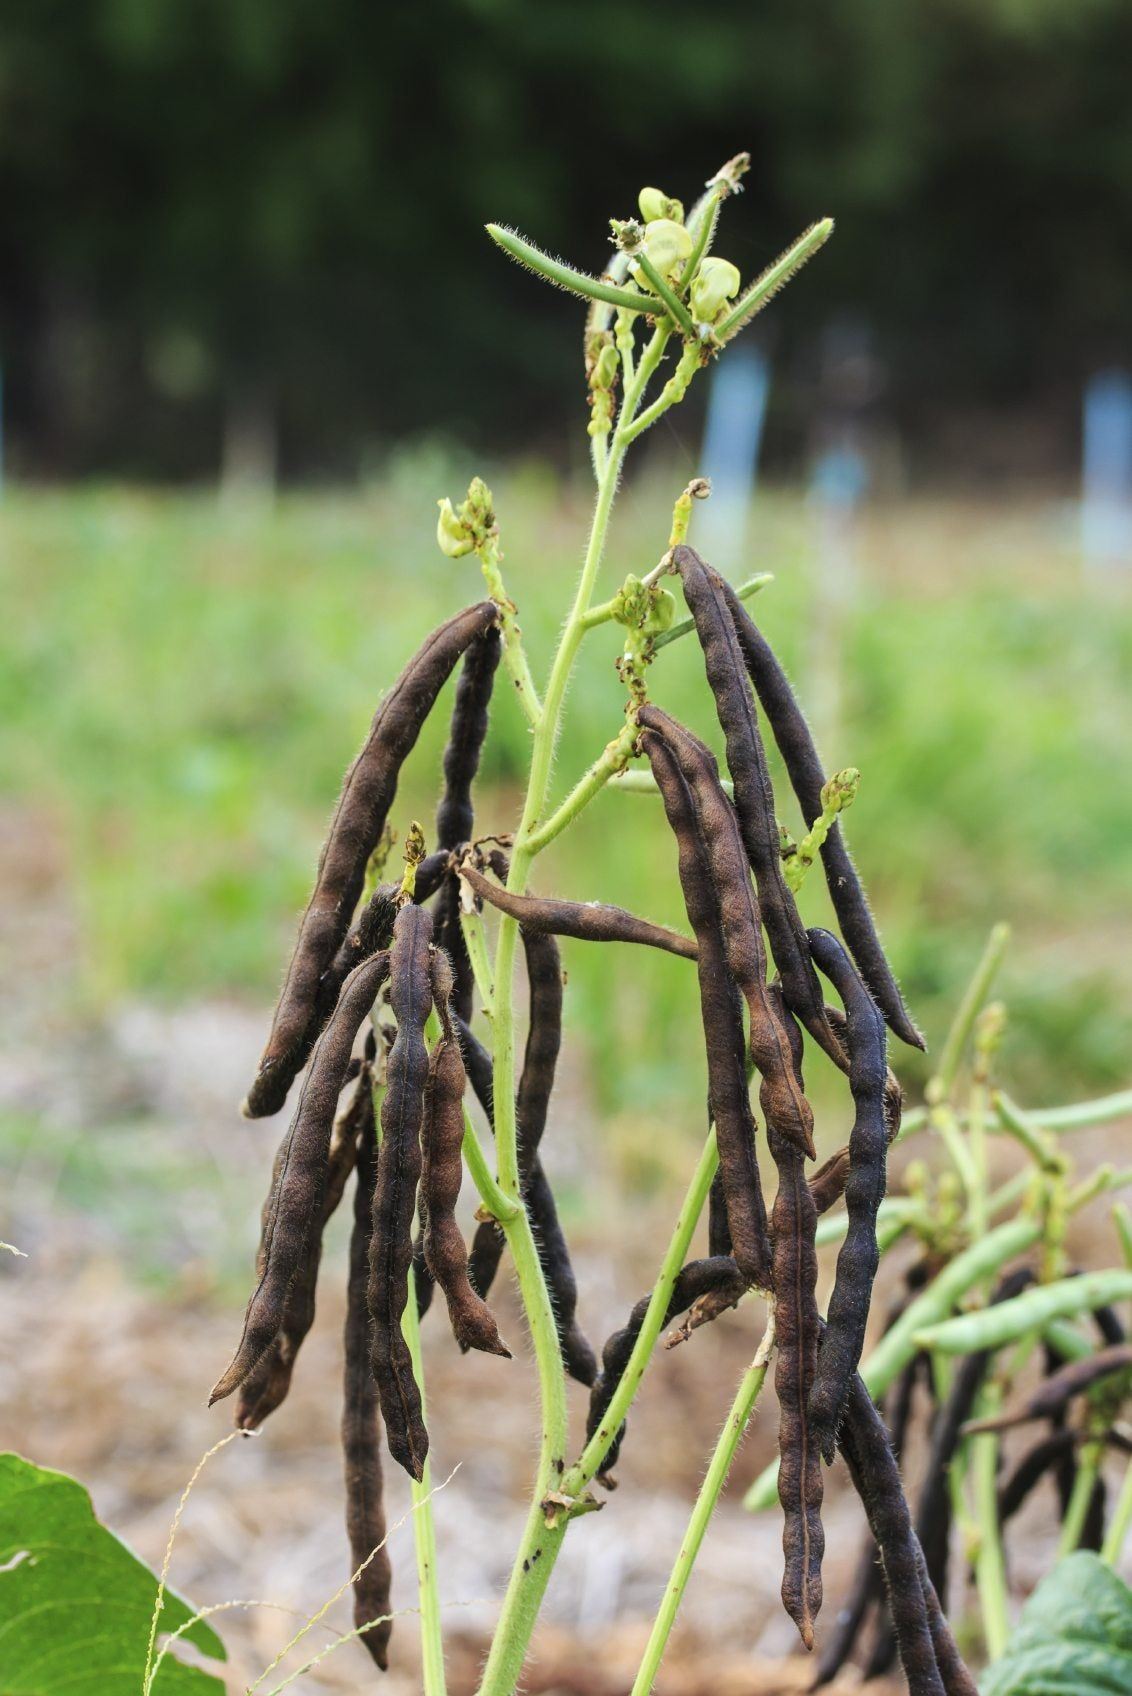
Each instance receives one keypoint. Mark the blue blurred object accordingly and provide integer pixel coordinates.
(733, 432)
(1106, 470)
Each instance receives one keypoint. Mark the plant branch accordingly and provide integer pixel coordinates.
(750, 1387)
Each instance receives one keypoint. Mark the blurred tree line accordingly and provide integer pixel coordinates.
(226, 221)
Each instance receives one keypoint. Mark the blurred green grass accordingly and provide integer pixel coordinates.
(181, 686)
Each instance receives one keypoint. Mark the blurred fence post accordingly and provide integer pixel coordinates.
(733, 431)
(1106, 470)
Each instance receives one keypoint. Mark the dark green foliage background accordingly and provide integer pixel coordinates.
(207, 196)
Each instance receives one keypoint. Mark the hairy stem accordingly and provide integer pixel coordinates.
(750, 1387)
(424, 1528)
(528, 1577)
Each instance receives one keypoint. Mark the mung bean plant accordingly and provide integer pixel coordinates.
(398, 1008)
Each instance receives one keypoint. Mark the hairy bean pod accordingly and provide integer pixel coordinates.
(532, 1101)
(848, 1312)
(361, 1440)
(359, 818)
(864, 1443)
(455, 816)
(298, 1193)
(589, 921)
(754, 798)
(266, 1387)
(722, 1019)
(782, 1099)
(394, 1201)
(719, 1231)
(473, 1323)
(800, 1482)
(868, 1585)
(717, 1275)
(1054, 1392)
(804, 769)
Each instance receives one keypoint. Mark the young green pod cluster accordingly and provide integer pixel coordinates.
(355, 830)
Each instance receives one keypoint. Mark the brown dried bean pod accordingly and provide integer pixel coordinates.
(864, 1443)
(473, 1323)
(361, 1439)
(800, 1483)
(699, 1278)
(394, 1202)
(455, 817)
(589, 921)
(301, 1186)
(722, 1019)
(719, 1231)
(532, 1101)
(267, 1386)
(1054, 1392)
(804, 769)
(754, 798)
(782, 1099)
(359, 819)
(857, 1261)
(868, 1585)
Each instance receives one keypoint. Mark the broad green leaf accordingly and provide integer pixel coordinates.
(1074, 1637)
(76, 1603)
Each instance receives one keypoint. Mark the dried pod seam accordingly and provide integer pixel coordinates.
(361, 1439)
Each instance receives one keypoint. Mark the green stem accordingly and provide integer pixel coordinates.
(695, 1200)
(613, 759)
(475, 941)
(1082, 1494)
(750, 1386)
(544, 1533)
(644, 783)
(676, 308)
(529, 1576)
(951, 1055)
(1121, 1520)
(424, 1527)
(990, 1564)
(1083, 1113)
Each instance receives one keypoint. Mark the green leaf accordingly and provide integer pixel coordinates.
(1074, 1637)
(75, 1603)
(993, 1327)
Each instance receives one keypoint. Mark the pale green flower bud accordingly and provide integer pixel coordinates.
(654, 203)
(453, 538)
(716, 282)
(667, 244)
